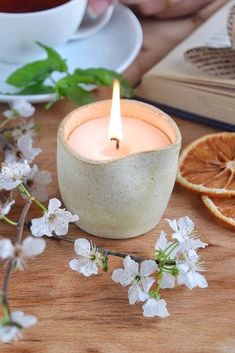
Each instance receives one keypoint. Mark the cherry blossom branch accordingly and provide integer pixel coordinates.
(10, 265)
(122, 255)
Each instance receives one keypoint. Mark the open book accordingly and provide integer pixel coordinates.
(197, 78)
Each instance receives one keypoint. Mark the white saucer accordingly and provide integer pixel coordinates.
(114, 47)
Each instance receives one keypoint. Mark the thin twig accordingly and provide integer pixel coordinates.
(5, 287)
(21, 222)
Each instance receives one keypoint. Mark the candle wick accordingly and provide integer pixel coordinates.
(117, 142)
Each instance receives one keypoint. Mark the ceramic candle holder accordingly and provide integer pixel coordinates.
(120, 198)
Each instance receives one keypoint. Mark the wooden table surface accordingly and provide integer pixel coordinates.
(78, 315)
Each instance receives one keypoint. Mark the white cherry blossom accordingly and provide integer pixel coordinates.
(54, 220)
(36, 182)
(29, 248)
(11, 331)
(183, 228)
(189, 267)
(26, 128)
(19, 108)
(155, 307)
(23, 151)
(88, 258)
(138, 276)
(13, 174)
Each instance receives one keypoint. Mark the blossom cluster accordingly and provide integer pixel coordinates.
(175, 259)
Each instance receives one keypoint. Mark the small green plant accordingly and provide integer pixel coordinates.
(37, 78)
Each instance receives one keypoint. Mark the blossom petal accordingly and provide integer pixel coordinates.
(90, 268)
(196, 244)
(168, 281)
(43, 177)
(147, 283)
(155, 307)
(9, 333)
(23, 107)
(135, 294)
(178, 236)
(181, 279)
(60, 227)
(195, 279)
(130, 265)
(183, 267)
(39, 192)
(6, 249)
(161, 243)
(23, 320)
(66, 216)
(186, 225)
(33, 247)
(53, 205)
(82, 247)
(77, 264)
(41, 226)
(8, 114)
(6, 207)
(147, 267)
(25, 146)
(173, 224)
(122, 276)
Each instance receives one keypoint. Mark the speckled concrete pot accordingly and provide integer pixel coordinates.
(123, 198)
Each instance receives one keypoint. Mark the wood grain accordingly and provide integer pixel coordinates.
(78, 315)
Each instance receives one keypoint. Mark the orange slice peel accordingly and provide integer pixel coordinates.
(207, 165)
(223, 209)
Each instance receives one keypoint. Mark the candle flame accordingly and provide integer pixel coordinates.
(115, 123)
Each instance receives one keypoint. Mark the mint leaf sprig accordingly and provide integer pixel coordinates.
(33, 78)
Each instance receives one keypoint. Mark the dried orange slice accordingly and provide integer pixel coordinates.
(221, 208)
(207, 165)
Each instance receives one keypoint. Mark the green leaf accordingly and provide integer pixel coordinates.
(103, 77)
(37, 89)
(69, 87)
(37, 71)
(58, 63)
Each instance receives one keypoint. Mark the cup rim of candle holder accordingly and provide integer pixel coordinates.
(64, 133)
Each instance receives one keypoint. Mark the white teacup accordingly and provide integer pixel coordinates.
(52, 27)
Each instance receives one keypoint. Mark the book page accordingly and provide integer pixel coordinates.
(219, 39)
(211, 33)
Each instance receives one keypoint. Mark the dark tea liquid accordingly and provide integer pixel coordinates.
(21, 6)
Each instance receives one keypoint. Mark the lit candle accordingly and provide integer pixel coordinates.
(110, 138)
(117, 173)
